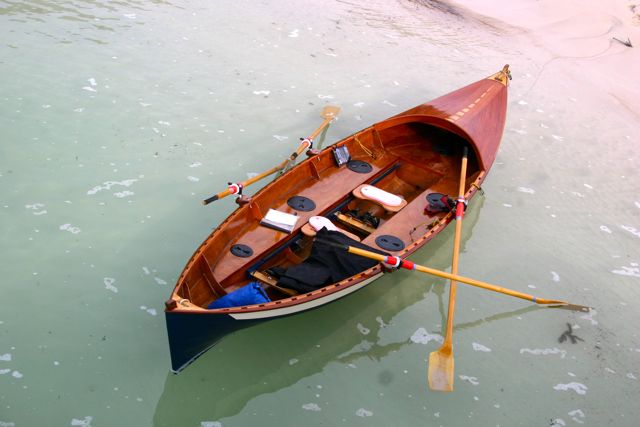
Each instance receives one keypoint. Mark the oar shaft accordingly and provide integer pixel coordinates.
(306, 143)
(446, 346)
(403, 263)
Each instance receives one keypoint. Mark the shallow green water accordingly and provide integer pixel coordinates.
(116, 118)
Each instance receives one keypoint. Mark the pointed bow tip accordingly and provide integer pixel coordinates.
(503, 76)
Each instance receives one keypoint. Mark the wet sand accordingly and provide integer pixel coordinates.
(579, 38)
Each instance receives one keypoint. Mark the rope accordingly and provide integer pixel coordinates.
(365, 149)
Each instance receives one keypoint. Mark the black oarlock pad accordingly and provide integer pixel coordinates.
(301, 203)
(389, 243)
(242, 251)
(359, 166)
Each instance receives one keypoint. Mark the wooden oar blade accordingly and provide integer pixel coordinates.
(330, 111)
(441, 371)
(567, 306)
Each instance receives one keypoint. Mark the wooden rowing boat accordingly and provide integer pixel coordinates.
(386, 195)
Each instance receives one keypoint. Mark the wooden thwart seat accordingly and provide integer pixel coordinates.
(390, 202)
(272, 282)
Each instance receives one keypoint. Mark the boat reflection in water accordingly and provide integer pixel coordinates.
(274, 355)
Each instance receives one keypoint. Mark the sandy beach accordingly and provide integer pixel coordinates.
(579, 38)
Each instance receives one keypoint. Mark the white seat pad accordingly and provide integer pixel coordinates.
(380, 196)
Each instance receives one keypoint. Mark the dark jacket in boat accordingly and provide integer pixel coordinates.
(326, 264)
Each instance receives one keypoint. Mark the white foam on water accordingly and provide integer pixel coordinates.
(193, 179)
(293, 361)
(544, 351)
(326, 96)
(4, 371)
(123, 194)
(605, 229)
(557, 422)
(280, 137)
(577, 387)
(526, 190)
(590, 187)
(195, 165)
(381, 322)
(164, 123)
(555, 276)
(108, 284)
(471, 380)
(5, 357)
(631, 376)
(523, 102)
(543, 126)
(85, 422)
(575, 193)
(17, 374)
(557, 137)
(359, 104)
(531, 286)
(210, 424)
(129, 15)
(480, 347)
(252, 174)
(78, 110)
(633, 270)
(89, 89)
(519, 131)
(71, 229)
(92, 81)
(577, 415)
(389, 103)
(294, 33)
(421, 336)
(151, 311)
(637, 204)
(261, 92)
(7, 424)
(311, 407)
(507, 205)
(146, 271)
(590, 316)
(611, 371)
(363, 330)
(38, 208)
(631, 230)
(109, 184)
(159, 281)
(364, 413)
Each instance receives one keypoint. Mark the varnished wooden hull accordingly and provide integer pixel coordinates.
(412, 154)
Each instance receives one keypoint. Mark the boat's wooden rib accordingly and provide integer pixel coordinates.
(410, 155)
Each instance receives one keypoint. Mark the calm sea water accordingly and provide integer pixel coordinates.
(117, 118)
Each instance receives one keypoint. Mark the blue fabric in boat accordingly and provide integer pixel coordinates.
(246, 295)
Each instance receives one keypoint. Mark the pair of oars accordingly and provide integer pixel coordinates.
(441, 361)
(328, 114)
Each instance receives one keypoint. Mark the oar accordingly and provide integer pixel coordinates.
(328, 113)
(397, 262)
(441, 363)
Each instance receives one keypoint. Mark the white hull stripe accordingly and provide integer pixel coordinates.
(305, 305)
